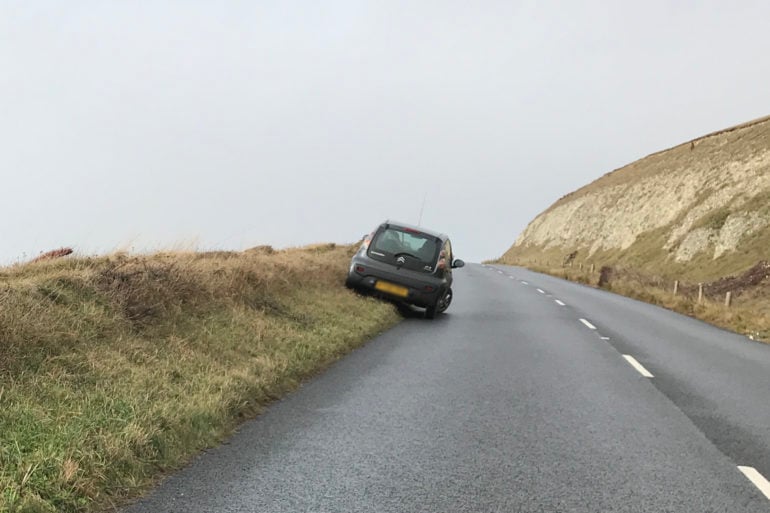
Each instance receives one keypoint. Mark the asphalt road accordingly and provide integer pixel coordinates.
(508, 403)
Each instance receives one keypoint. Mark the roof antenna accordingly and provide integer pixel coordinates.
(422, 208)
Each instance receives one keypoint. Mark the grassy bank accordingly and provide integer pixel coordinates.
(749, 313)
(114, 370)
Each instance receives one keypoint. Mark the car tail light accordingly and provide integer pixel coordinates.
(360, 269)
(428, 288)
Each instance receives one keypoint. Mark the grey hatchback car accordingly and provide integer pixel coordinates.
(407, 264)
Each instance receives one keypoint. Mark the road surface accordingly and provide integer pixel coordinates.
(531, 394)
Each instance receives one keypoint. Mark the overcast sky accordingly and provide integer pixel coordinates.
(224, 124)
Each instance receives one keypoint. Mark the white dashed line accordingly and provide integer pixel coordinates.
(588, 324)
(605, 338)
(758, 479)
(499, 272)
(524, 283)
(560, 303)
(638, 366)
(541, 291)
(512, 277)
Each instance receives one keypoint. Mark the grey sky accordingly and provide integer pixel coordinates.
(231, 124)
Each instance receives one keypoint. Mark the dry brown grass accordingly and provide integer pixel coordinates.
(118, 368)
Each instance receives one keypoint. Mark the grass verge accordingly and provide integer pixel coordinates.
(115, 370)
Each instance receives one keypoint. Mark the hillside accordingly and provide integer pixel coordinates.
(697, 212)
(116, 369)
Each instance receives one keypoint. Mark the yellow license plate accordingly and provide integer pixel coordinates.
(390, 288)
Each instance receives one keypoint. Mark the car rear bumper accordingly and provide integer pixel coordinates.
(416, 296)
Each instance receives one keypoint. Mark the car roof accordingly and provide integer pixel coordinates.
(421, 229)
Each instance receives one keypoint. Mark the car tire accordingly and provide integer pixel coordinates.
(445, 301)
(440, 306)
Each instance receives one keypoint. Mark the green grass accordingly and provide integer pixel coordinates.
(116, 370)
(714, 220)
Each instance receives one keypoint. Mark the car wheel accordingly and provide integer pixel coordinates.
(445, 301)
(441, 305)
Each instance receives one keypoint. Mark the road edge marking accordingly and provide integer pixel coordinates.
(757, 479)
(559, 302)
(588, 324)
(541, 291)
(638, 366)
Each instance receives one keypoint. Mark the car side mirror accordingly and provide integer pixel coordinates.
(457, 263)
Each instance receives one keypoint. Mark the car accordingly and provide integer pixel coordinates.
(406, 264)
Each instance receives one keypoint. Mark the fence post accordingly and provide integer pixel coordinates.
(728, 299)
(676, 287)
(593, 267)
(700, 293)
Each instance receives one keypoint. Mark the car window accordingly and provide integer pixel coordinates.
(420, 250)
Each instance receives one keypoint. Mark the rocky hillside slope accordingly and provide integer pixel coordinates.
(699, 211)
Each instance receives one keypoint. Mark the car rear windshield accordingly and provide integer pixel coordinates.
(418, 251)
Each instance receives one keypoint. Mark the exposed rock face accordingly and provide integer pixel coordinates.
(707, 195)
(736, 227)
